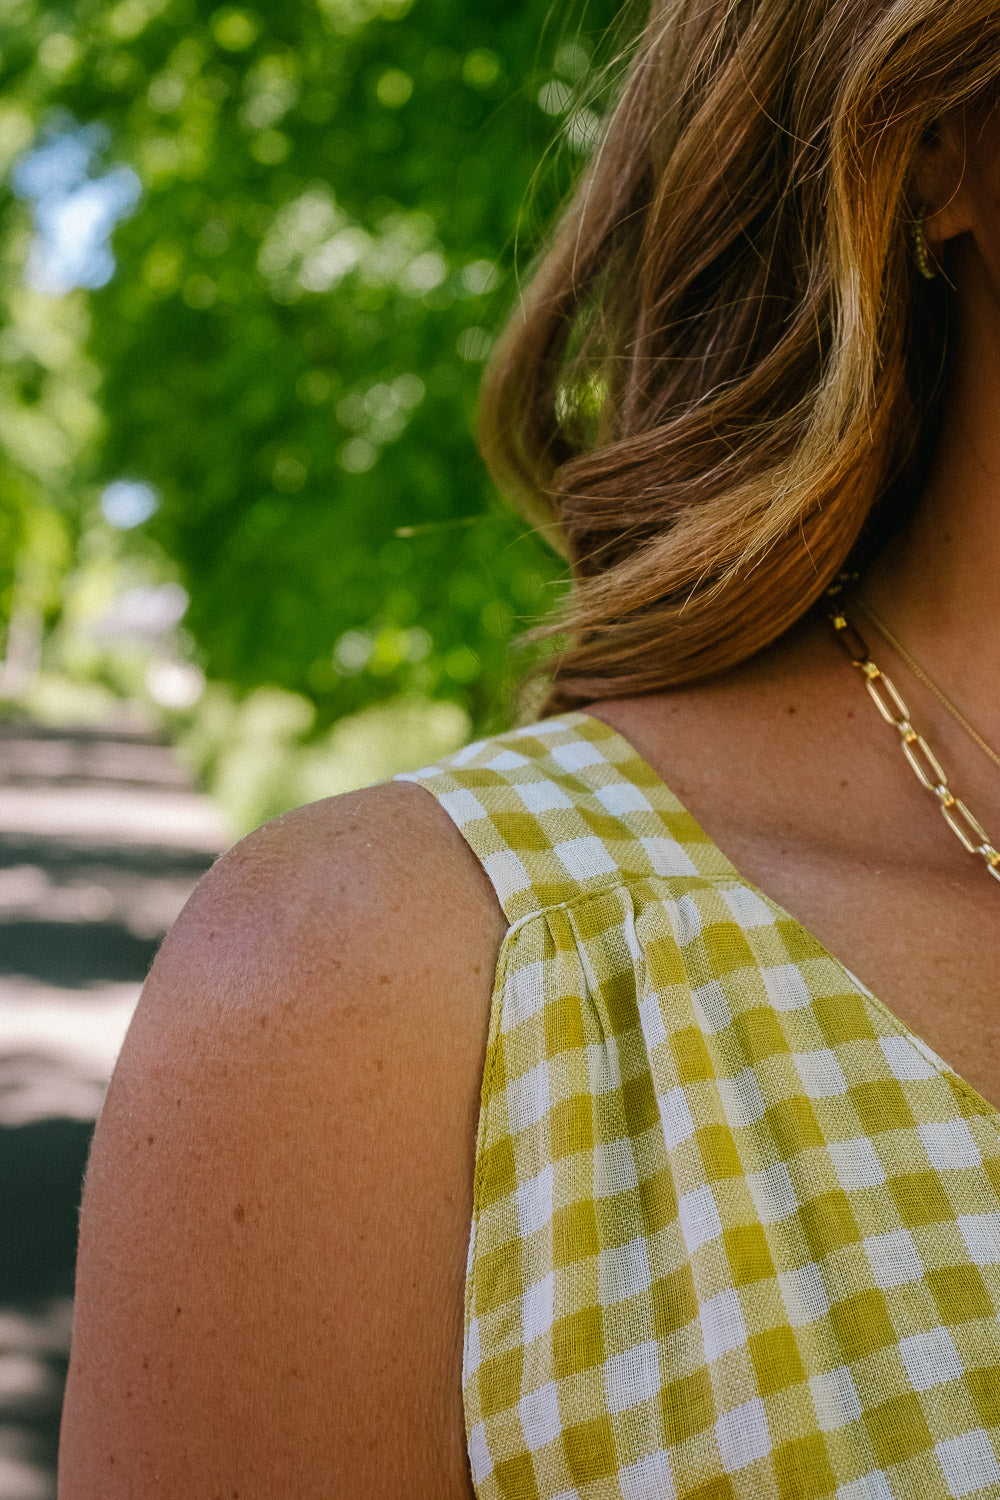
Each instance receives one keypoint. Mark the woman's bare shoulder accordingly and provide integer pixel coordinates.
(277, 1207)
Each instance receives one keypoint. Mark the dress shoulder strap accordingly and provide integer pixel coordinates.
(565, 807)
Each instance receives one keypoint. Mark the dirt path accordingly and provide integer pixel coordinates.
(101, 842)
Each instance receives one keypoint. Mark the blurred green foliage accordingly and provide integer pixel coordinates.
(337, 196)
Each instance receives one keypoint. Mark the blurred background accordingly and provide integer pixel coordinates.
(252, 260)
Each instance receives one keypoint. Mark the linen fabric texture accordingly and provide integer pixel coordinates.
(736, 1229)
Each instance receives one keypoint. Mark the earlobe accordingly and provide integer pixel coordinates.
(939, 175)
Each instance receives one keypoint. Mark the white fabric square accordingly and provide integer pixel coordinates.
(699, 1217)
(524, 995)
(712, 1006)
(981, 1233)
(632, 1377)
(856, 1163)
(539, 1413)
(534, 1200)
(542, 796)
(584, 857)
(835, 1398)
(722, 1324)
(742, 1435)
(747, 907)
(786, 988)
(905, 1062)
(507, 760)
(538, 1308)
(480, 1458)
(772, 1192)
(893, 1258)
(461, 806)
(873, 1486)
(614, 1167)
(969, 1462)
(820, 1072)
(604, 1066)
(949, 1143)
(742, 1099)
(804, 1293)
(542, 728)
(473, 1349)
(507, 874)
(528, 1098)
(577, 754)
(930, 1358)
(467, 753)
(622, 797)
(667, 856)
(675, 1117)
(623, 1271)
(687, 920)
(651, 1021)
(649, 1479)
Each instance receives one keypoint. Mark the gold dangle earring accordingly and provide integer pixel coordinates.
(921, 250)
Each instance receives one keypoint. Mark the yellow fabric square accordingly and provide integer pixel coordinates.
(639, 1103)
(577, 1342)
(794, 1125)
(516, 1476)
(920, 1198)
(499, 1276)
(658, 1197)
(674, 1301)
(665, 963)
(691, 1056)
(881, 1105)
(688, 1406)
(897, 1428)
(590, 1450)
(759, 1033)
(574, 1232)
(496, 1175)
(521, 831)
(985, 1387)
(563, 1022)
(718, 1152)
(776, 1359)
(571, 1126)
(748, 1253)
(842, 1018)
(828, 1223)
(861, 1324)
(960, 1293)
(500, 1381)
(619, 997)
(726, 948)
(802, 1468)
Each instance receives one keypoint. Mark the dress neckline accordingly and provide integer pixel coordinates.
(729, 871)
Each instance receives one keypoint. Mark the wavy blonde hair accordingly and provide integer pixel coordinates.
(725, 377)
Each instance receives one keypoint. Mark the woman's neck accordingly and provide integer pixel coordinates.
(936, 585)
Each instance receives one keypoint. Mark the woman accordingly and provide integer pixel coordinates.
(736, 1225)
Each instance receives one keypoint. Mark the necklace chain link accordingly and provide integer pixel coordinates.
(923, 762)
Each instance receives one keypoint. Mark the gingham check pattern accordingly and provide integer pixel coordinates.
(736, 1230)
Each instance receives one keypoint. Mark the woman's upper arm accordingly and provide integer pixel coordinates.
(277, 1206)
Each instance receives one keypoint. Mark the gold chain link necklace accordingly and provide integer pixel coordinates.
(929, 682)
(923, 762)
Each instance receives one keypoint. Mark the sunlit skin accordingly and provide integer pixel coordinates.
(276, 1216)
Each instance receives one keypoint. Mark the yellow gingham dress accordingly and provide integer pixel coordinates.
(736, 1230)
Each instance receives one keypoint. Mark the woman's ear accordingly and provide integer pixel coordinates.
(940, 181)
